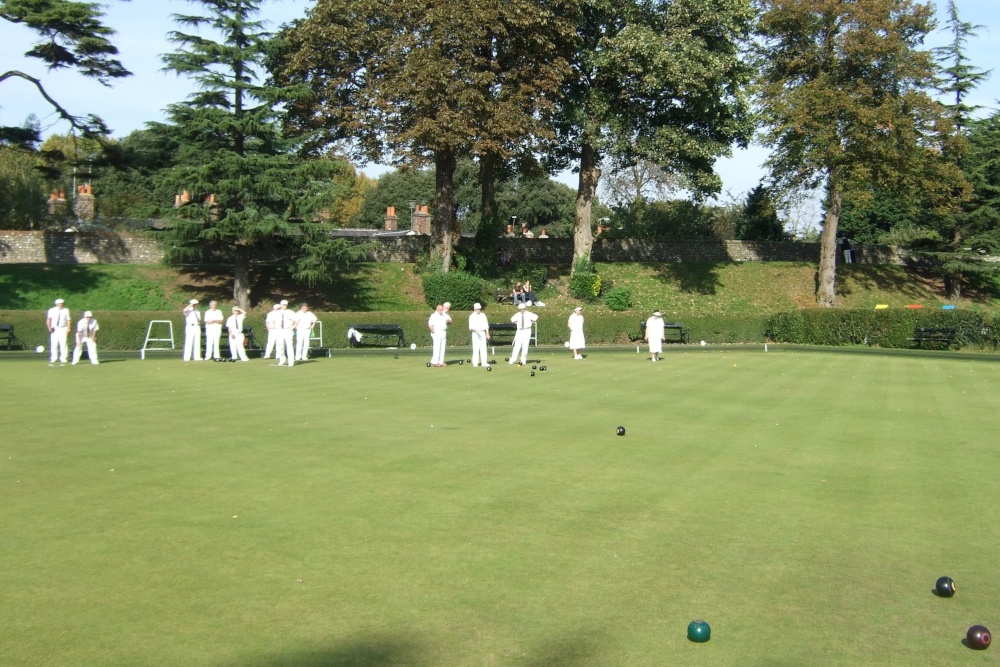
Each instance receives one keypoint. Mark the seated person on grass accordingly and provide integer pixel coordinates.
(517, 294)
(530, 297)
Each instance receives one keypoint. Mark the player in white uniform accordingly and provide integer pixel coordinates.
(522, 338)
(86, 334)
(304, 323)
(479, 327)
(57, 322)
(438, 324)
(655, 335)
(575, 324)
(213, 330)
(234, 325)
(192, 331)
(286, 340)
(273, 325)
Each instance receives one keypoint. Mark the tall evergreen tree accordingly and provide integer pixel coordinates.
(247, 187)
(844, 94)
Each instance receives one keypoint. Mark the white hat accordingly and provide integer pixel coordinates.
(58, 301)
(88, 314)
(477, 306)
(656, 313)
(284, 302)
(578, 308)
(237, 308)
(276, 306)
(193, 302)
(447, 305)
(521, 306)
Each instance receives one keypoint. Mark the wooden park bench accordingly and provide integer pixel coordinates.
(934, 336)
(382, 333)
(502, 333)
(7, 335)
(674, 332)
(504, 296)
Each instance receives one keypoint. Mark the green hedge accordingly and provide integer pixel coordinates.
(459, 288)
(890, 328)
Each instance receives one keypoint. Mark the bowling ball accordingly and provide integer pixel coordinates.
(428, 364)
(532, 373)
(699, 631)
(979, 637)
(945, 587)
(620, 430)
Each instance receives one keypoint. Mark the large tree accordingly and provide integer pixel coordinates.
(655, 80)
(71, 36)
(411, 82)
(844, 93)
(232, 151)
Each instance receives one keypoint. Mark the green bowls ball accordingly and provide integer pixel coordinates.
(699, 631)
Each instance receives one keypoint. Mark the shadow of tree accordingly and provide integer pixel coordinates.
(693, 277)
(21, 285)
(4, 248)
(108, 247)
(365, 653)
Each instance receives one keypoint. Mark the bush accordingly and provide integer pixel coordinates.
(460, 288)
(585, 283)
(618, 298)
(880, 328)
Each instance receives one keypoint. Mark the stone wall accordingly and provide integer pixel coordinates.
(55, 247)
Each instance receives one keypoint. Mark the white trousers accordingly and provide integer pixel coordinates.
(439, 341)
(302, 344)
(213, 332)
(286, 347)
(272, 341)
(236, 349)
(479, 342)
(522, 341)
(192, 342)
(57, 345)
(91, 351)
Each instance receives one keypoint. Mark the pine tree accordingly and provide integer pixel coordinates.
(250, 196)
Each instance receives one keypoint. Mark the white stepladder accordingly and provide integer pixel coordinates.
(151, 339)
(316, 337)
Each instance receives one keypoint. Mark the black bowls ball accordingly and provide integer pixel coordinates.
(620, 430)
(945, 587)
(428, 364)
(979, 637)
(534, 367)
(489, 368)
(543, 368)
(532, 373)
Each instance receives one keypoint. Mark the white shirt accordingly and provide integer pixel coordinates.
(305, 320)
(437, 323)
(234, 324)
(192, 316)
(88, 327)
(654, 328)
(524, 319)
(479, 322)
(58, 317)
(288, 318)
(576, 323)
(214, 316)
(273, 320)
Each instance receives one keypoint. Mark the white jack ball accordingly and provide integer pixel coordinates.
(40, 349)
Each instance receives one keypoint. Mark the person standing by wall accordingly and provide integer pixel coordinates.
(304, 323)
(479, 326)
(523, 320)
(213, 330)
(234, 325)
(192, 331)
(86, 334)
(57, 322)
(286, 343)
(272, 322)
(655, 335)
(576, 340)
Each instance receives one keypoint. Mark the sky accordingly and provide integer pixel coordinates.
(142, 26)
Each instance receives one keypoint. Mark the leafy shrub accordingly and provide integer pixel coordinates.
(889, 328)
(460, 288)
(585, 283)
(618, 298)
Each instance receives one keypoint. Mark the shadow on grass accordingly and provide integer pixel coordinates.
(20, 283)
(369, 653)
(697, 277)
(347, 291)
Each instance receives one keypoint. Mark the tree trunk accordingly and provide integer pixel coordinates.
(443, 228)
(826, 294)
(490, 225)
(953, 286)
(241, 277)
(583, 239)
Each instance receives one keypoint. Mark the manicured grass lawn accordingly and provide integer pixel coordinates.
(361, 510)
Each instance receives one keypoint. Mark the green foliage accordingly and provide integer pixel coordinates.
(618, 298)
(396, 188)
(22, 192)
(585, 283)
(459, 288)
(890, 328)
(675, 219)
(759, 219)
